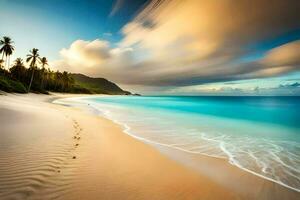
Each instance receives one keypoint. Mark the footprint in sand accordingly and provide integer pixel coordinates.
(78, 130)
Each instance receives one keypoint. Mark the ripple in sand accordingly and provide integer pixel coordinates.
(31, 169)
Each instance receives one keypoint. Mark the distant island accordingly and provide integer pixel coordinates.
(39, 79)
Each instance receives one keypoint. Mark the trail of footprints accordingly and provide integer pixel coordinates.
(62, 186)
(76, 138)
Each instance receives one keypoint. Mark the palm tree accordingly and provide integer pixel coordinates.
(33, 59)
(44, 62)
(65, 80)
(18, 70)
(6, 49)
(19, 62)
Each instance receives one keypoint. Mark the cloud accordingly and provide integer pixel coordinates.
(107, 34)
(94, 58)
(198, 41)
(192, 42)
(285, 55)
(206, 28)
(277, 61)
(291, 85)
(284, 89)
(116, 7)
(86, 53)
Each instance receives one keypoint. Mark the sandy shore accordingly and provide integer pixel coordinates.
(50, 151)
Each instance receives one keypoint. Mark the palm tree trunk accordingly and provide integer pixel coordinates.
(8, 62)
(31, 80)
(43, 74)
(5, 61)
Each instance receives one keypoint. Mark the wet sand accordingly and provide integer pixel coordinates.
(50, 151)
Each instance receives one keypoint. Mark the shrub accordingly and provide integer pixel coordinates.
(9, 85)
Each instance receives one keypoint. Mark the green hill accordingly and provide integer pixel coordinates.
(57, 82)
(97, 85)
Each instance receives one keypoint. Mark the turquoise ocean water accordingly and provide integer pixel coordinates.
(258, 134)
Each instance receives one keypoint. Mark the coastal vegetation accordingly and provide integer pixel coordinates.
(33, 76)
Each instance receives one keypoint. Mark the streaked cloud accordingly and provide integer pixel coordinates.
(116, 7)
(285, 55)
(98, 58)
(184, 43)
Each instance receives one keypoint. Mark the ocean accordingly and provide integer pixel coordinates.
(258, 134)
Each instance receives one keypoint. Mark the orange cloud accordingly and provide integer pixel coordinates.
(287, 54)
(190, 42)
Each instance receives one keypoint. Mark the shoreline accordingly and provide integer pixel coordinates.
(45, 160)
(171, 150)
(110, 164)
(126, 130)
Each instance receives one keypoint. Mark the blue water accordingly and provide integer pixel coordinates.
(258, 134)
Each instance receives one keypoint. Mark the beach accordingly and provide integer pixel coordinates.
(64, 151)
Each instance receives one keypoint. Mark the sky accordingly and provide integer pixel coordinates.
(165, 47)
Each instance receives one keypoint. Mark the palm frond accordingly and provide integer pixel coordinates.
(28, 59)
